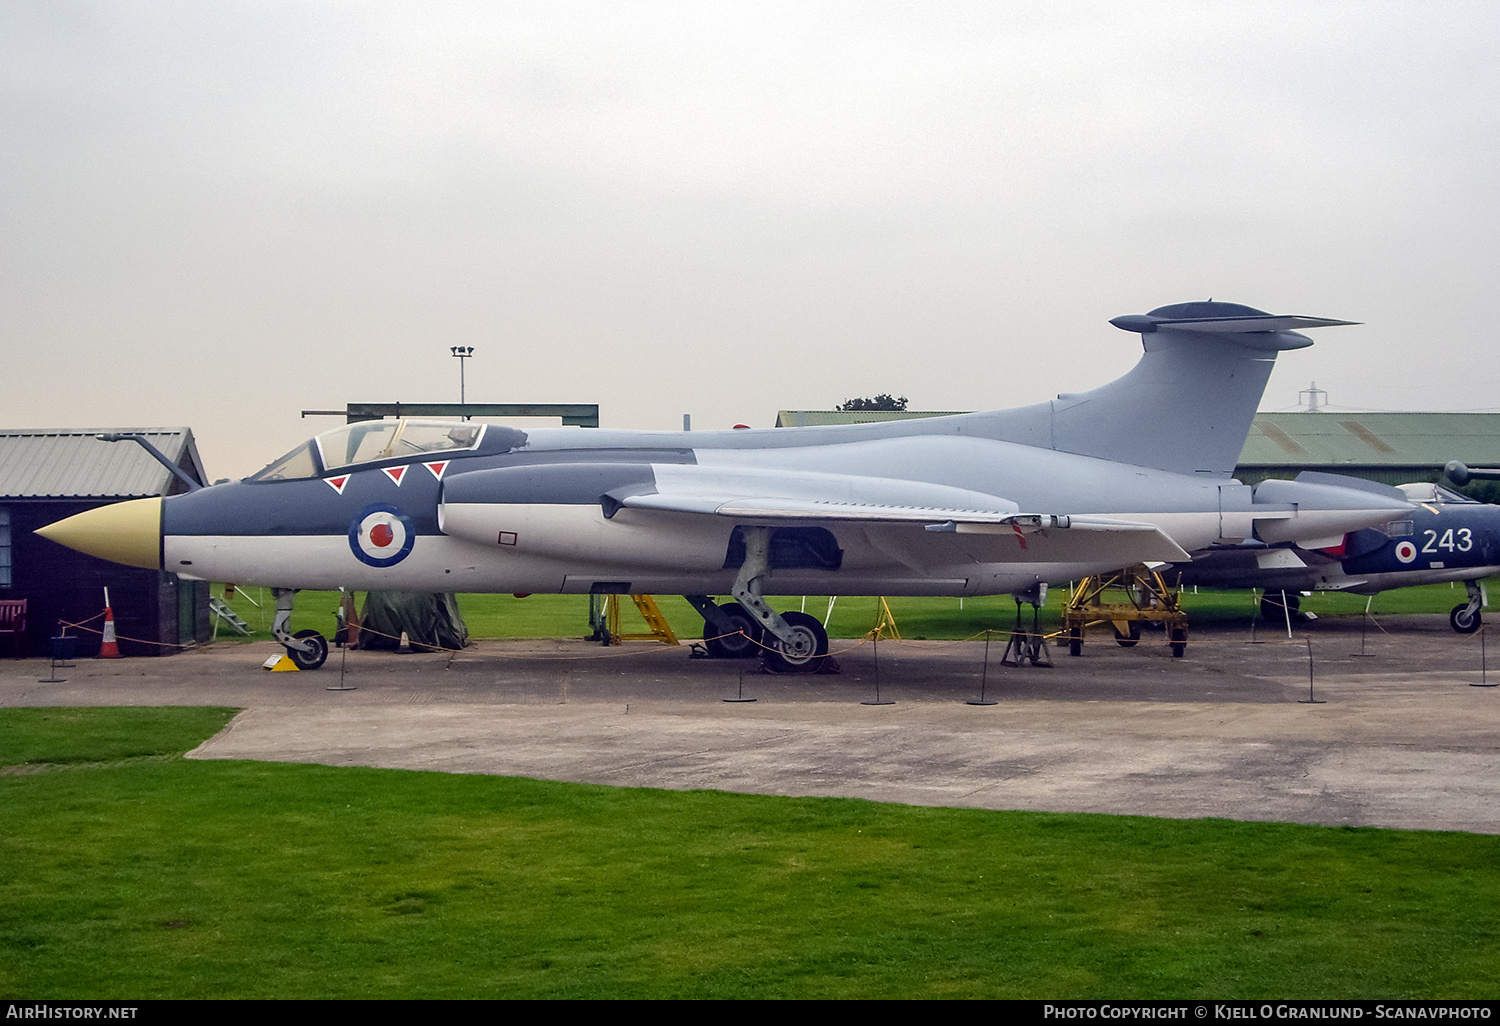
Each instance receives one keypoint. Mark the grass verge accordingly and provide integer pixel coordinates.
(946, 619)
(131, 878)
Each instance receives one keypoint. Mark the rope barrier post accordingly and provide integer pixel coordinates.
(343, 660)
(1364, 626)
(877, 700)
(1483, 670)
(984, 674)
(741, 697)
(1310, 700)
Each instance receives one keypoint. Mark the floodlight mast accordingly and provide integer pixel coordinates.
(461, 353)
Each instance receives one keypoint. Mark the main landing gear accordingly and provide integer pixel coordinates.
(1279, 606)
(787, 642)
(308, 649)
(1465, 617)
(729, 632)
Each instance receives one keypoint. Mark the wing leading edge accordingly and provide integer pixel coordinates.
(1010, 535)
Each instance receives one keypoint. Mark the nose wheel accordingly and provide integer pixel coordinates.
(308, 649)
(313, 655)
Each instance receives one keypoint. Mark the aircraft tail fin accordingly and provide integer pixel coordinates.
(1186, 406)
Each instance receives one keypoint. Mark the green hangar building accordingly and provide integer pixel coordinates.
(1392, 448)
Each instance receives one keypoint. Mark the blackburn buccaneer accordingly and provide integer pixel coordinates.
(1137, 470)
(1444, 537)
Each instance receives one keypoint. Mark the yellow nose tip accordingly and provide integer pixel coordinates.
(124, 532)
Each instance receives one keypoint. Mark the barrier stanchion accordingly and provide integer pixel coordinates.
(877, 700)
(741, 696)
(1484, 680)
(984, 675)
(1310, 700)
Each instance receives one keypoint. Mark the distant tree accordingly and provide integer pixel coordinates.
(883, 401)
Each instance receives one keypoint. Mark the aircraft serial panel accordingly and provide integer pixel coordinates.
(984, 503)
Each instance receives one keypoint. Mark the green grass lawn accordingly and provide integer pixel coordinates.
(127, 872)
(563, 616)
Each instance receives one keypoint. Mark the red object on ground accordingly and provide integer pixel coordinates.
(110, 649)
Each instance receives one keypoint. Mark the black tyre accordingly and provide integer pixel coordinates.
(1075, 642)
(1270, 607)
(309, 660)
(1178, 638)
(1464, 621)
(742, 640)
(811, 653)
(1129, 640)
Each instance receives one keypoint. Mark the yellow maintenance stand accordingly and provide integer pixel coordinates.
(660, 630)
(1125, 598)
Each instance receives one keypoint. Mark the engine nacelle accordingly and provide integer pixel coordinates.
(1319, 509)
(580, 533)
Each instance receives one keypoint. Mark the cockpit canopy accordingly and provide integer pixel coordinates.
(1427, 491)
(372, 441)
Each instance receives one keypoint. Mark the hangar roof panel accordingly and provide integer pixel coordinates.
(826, 418)
(1326, 439)
(1372, 439)
(67, 464)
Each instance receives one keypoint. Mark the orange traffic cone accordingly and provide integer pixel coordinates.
(110, 649)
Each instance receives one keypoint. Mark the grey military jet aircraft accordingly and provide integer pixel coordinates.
(1444, 537)
(983, 503)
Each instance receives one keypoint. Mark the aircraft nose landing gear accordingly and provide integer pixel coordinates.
(1465, 617)
(308, 649)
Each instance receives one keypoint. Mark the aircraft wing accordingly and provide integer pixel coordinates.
(878, 502)
(913, 517)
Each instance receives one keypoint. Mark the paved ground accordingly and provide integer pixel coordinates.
(1402, 739)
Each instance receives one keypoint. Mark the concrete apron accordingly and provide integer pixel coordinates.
(1401, 741)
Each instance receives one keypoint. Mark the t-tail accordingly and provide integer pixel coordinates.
(1186, 406)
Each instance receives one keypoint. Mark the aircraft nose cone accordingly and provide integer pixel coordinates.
(125, 532)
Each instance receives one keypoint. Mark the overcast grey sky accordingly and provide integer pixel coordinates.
(220, 214)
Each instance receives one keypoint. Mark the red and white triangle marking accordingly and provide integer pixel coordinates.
(337, 483)
(395, 473)
(437, 468)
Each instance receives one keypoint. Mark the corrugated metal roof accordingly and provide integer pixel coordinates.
(823, 418)
(1327, 439)
(1372, 439)
(42, 463)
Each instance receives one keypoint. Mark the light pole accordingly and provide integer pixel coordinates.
(462, 353)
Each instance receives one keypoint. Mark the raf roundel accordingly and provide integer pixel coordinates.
(381, 535)
(1406, 551)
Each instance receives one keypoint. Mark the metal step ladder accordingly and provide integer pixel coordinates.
(650, 612)
(221, 609)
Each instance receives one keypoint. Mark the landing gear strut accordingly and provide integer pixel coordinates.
(790, 643)
(1465, 617)
(308, 649)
